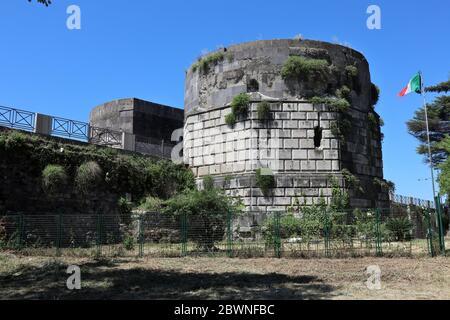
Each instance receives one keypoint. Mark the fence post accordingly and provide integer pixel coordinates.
(326, 230)
(229, 235)
(99, 235)
(277, 235)
(429, 234)
(58, 235)
(19, 232)
(141, 238)
(440, 225)
(184, 234)
(378, 243)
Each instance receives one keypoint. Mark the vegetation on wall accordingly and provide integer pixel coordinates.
(54, 178)
(88, 177)
(263, 111)
(132, 174)
(297, 67)
(265, 180)
(239, 108)
(205, 64)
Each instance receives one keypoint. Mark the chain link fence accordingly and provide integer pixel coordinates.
(397, 231)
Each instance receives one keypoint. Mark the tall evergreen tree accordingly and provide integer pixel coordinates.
(439, 124)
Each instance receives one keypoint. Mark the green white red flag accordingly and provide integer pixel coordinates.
(414, 85)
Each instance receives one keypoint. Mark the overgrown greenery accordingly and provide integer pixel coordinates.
(263, 111)
(239, 108)
(444, 176)
(265, 180)
(88, 176)
(133, 174)
(438, 116)
(205, 64)
(207, 211)
(45, 2)
(399, 228)
(54, 178)
(302, 68)
(336, 104)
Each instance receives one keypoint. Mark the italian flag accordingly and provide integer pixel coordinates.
(414, 85)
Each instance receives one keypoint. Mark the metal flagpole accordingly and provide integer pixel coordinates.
(422, 90)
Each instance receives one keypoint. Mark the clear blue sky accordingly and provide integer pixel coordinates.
(141, 48)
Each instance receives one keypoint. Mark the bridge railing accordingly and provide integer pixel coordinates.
(17, 119)
(405, 200)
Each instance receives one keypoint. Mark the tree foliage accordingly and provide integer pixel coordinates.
(439, 124)
(45, 2)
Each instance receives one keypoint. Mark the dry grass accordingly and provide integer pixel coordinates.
(221, 278)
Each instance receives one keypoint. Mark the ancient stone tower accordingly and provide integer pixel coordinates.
(307, 116)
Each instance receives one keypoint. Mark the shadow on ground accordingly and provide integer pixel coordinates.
(107, 280)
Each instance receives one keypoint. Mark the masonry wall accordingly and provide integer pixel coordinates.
(303, 170)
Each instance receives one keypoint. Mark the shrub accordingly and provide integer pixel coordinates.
(302, 68)
(343, 93)
(263, 111)
(54, 178)
(151, 204)
(265, 180)
(208, 183)
(207, 211)
(337, 104)
(230, 119)
(125, 209)
(399, 228)
(341, 128)
(88, 176)
(240, 104)
(384, 184)
(204, 64)
(289, 227)
(129, 242)
(374, 94)
(352, 71)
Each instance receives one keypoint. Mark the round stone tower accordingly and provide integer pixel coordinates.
(302, 124)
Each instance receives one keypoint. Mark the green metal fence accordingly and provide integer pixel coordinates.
(315, 232)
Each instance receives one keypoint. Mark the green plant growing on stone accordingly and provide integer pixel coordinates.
(263, 111)
(125, 209)
(265, 180)
(374, 94)
(302, 68)
(343, 93)
(230, 119)
(352, 71)
(240, 104)
(384, 184)
(336, 104)
(88, 177)
(352, 181)
(54, 178)
(341, 128)
(204, 64)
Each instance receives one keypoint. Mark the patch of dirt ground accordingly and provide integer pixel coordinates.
(24, 277)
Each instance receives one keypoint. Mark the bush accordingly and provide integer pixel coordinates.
(129, 242)
(399, 228)
(230, 119)
(207, 211)
(88, 176)
(289, 227)
(151, 204)
(54, 178)
(265, 180)
(240, 104)
(303, 68)
(263, 111)
(352, 71)
(208, 183)
(205, 63)
(338, 105)
(125, 209)
(374, 94)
